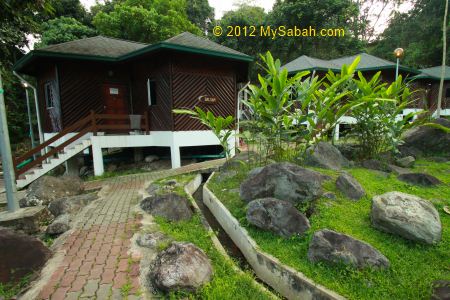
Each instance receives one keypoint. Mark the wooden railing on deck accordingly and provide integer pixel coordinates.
(93, 123)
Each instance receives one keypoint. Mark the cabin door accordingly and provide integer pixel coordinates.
(114, 97)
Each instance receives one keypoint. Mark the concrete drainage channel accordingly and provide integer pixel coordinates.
(283, 279)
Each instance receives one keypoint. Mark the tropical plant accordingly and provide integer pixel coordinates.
(291, 113)
(220, 126)
(378, 126)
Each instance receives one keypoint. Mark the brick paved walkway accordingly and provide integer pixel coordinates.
(97, 262)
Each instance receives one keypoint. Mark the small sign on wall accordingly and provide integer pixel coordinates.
(113, 91)
(208, 99)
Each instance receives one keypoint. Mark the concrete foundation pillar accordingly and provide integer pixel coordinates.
(138, 154)
(175, 156)
(97, 157)
(72, 166)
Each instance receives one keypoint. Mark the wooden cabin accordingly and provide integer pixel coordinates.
(125, 91)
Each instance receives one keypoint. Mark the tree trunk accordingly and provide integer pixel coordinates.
(444, 52)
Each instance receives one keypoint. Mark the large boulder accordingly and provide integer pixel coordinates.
(28, 219)
(406, 161)
(60, 225)
(429, 140)
(284, 181)
(406, 215)
(375, 164)
(280, 217)
(20, 255)
(333, 247)
(170, 206)
(49, 188)
(70, 205)
(419, 179)
(349, 186)
(325, 155)
(181, 267)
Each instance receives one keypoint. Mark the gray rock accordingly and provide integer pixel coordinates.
(429, 140)
(20, 255)
(329, 195)
(349, 186)
(398, 170)
(28, 219)
(284, 181)
(406, 215)
(374, 164)
(181, 267)
(441, 290)
(406, 162)
(280, 217)
(71, 205)
(60, 225)
(419, 179)
(325, 155)
(151, 158)
(255, 171)
(333, 247)
(151, 240)
(170, 206)
(49, 188)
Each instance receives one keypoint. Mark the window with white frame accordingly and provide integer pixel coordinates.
(151, 91)
(49, 89)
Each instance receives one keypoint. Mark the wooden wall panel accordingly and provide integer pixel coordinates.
(194, 76)
(80, 86)
(157, 68)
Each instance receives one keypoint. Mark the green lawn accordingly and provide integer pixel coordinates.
(413, 266)
(227, 283)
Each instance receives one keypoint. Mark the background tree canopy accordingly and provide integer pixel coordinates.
(418, 31)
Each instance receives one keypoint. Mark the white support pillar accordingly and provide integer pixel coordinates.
(175, 156)
(97, 157)
(336, 132)
(73, 166)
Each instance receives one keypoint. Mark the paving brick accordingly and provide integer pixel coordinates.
(120, 279)
(85, 268)
(79, 283)
(68, 278)
(72, 295)
(46, 291)
(108, 276)
(60, 293)
(122, 266)
(90, 289)
(104, 291)
(96, 272)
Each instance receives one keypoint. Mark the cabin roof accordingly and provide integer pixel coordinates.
(96, 46)
(434, 73)
(367, 63)
(106, 49)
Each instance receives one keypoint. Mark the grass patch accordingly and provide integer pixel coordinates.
(227, 283)
(413, 266)
(9, 290)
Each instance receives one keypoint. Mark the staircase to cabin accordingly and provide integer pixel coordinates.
(31, 175)
(68, 143)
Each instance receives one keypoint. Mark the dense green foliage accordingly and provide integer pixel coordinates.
(227, 283)
(63, 29)
(147, 21)
(413, 266)
(198, 12)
